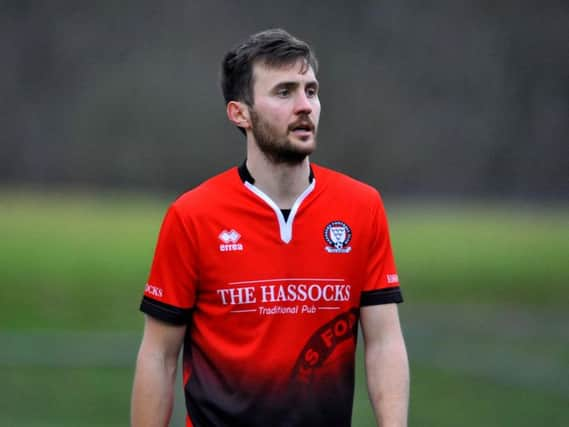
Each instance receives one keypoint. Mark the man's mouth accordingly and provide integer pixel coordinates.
(304, 127)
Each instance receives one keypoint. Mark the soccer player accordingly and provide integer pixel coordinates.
(264, 272)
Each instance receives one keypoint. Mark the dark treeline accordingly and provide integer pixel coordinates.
(456, 97)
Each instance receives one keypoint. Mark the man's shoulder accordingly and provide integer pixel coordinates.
(340, 182)
(208, 192)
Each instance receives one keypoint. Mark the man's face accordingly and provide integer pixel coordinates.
(285, 112)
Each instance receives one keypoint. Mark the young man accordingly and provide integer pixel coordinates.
(263, 272)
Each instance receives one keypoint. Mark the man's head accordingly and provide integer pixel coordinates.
(274, 48)
(271, 92)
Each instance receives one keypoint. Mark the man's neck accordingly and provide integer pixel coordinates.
(283, 183)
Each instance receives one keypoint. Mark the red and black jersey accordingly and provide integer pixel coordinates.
(271, 304)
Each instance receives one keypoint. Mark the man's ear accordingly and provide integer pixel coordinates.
(238, 114)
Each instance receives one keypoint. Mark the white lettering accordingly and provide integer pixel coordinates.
(278, 310)
(317, 296)
(285, 293)
(392, 278)
(236, 296)
(231, 247)
(282, 295)
(154, 291)
(328, 296)
(291, 292)
(250, 295)
(222, 293)
(302, 293)
(268, 293)
(308, 309)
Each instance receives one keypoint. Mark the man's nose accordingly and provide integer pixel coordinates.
(302, 104)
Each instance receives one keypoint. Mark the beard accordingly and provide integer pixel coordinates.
(279, 149)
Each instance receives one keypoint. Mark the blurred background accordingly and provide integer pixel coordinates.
(457, 111)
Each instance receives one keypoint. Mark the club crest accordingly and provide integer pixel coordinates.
(338, 235)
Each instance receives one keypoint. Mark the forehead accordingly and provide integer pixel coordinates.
(268, 76)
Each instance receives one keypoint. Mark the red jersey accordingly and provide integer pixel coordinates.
(271, 304)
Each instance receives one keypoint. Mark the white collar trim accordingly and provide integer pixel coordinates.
(284, 226)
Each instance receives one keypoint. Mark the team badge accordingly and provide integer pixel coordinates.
(338, 235)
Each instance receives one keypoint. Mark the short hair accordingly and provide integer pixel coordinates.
(274, 48)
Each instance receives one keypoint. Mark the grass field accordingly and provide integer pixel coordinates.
(486, 316)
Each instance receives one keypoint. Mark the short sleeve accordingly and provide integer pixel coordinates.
(382, 281)
(170, 292)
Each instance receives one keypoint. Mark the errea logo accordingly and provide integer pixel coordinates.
(230, 239)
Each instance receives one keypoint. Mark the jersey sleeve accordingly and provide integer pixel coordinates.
(382, 281)
(170, 292)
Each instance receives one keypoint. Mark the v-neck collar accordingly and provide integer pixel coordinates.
(285, 225)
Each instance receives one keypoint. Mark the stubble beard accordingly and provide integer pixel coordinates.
(278, 149)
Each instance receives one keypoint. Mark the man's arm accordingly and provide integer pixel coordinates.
(153, 389)
(387, 368)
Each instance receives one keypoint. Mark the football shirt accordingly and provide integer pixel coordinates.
(271, 304)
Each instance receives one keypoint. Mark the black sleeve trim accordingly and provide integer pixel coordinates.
(382, 296)
(165, 312)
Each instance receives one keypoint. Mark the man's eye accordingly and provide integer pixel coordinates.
(311, 92)
(283, 92)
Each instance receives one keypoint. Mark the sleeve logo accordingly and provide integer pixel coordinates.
(338, 235)
(153, 291)
(392, 278)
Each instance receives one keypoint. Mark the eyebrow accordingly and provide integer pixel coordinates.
(294, 84)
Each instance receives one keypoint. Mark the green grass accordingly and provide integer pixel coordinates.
(483, 254)
(445, 399)
(75, 262)
(441, 398)
(65, 396)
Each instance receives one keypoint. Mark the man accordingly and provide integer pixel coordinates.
(263, 272)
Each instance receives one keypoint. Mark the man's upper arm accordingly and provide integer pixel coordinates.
(380, 323)
(162, 339)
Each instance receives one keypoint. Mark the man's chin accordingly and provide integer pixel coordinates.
(290, 151)
(303, 138)
(289, 157)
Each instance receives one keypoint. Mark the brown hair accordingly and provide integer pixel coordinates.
(274, 48)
